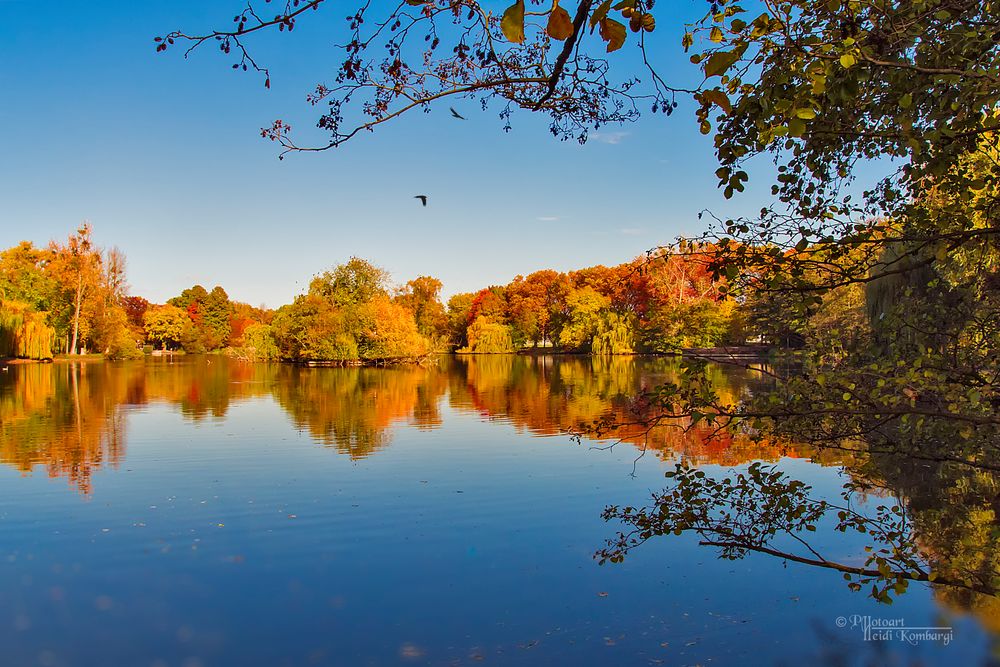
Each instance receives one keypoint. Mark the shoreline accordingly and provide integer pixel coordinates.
(741, 352)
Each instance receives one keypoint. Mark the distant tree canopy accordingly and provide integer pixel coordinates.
(422, 297)
(167, 325)
(658, 303)
(68, 297)
(348, 315)
(210, 314)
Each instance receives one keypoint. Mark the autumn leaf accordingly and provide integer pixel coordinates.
(560, 24)
(719, 62)
(613, 33)
(599, 14)
(512, 23)
(717, 97)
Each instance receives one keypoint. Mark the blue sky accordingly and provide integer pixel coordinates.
(163, 156)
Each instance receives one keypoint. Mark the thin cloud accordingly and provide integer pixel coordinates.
(612, 138)
(547, 218)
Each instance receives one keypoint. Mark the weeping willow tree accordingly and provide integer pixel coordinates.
(23, 333)
(902, 279)
(488, 337)
(615, 335)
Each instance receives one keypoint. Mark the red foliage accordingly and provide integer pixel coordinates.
(135, 307)
(489, 303)
(193, 313)
(237, 326)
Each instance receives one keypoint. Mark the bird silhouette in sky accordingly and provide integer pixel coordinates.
(422, 198)
(456, 114)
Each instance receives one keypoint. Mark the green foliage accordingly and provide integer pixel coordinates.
(459, 310)
(211, 315)
(701, 323)
(347, 315)
(23, 277)
(585, 307)
(192, 296)
(118, 340)
(353, 283)
(489, 337)
(615, 334)
(259, 344)
(312, 329)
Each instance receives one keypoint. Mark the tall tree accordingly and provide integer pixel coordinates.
(77, 266)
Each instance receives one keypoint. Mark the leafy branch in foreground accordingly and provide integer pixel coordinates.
(402, 57)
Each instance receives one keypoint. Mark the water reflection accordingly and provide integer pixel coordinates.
(954, 512)
(352, 409)
(67, 419)
(554, 395)
(70, 418)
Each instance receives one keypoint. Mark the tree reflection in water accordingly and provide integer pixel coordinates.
(70, 420)
(66, 418)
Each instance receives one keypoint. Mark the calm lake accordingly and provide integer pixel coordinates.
(202, 513)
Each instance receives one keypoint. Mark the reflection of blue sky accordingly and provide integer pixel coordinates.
(162, 155)
(242, 541)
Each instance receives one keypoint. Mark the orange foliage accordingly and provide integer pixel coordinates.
(70, 418)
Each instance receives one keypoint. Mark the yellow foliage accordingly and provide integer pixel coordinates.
(23, 333)
(489, 337)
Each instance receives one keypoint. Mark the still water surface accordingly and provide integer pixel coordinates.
(206, 513)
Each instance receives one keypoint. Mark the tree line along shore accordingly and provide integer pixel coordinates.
(71, 299)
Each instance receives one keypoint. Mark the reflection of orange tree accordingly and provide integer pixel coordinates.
(66, 418)
(351, 409)
(70, 417)
(551, 395)
(207, 386)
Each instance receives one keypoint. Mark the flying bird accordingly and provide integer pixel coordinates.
(422, 198)
(456, 114)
